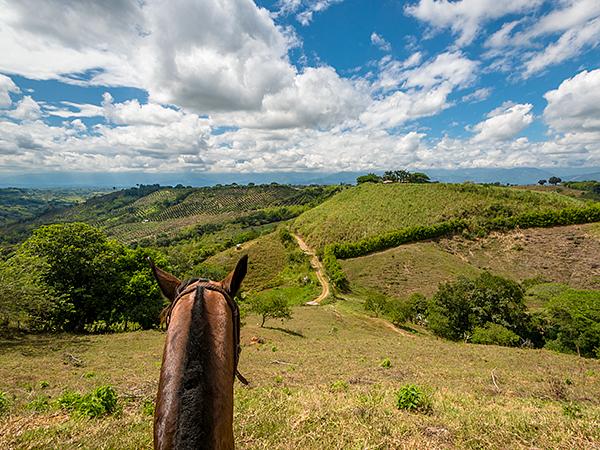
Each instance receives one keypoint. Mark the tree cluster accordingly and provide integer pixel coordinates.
(71, 277)
(395, 176)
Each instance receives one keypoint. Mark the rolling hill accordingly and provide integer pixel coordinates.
(370, 209)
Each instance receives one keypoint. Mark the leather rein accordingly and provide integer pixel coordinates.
(203, 283)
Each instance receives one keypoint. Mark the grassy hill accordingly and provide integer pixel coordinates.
(320, 388)
(371, 209)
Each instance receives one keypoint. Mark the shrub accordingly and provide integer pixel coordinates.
(458, 307)
(385, 363)
(574, 317)
(4, 403)
(39, 404)
(494, 334)
(99, 402)
(334, 269)
(413, 398)
(338, 386)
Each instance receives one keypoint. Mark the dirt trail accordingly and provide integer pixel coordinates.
(319, 270)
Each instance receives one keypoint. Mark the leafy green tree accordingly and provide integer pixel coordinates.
(542, 182)
(458, 307)
(369, 178)
(554, 180)
(418, 177)
(271, 306)
(574, 317)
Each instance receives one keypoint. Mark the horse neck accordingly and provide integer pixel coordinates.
(195, 398)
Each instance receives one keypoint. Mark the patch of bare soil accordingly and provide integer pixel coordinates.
(568, 254)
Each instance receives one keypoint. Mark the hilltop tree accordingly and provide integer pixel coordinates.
(369, 178)
(418, 177)
(273, 306)
(554, 180)
(542, 182)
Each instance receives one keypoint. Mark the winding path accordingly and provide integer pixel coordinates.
(319, 270)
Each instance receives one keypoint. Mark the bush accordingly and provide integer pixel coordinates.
(39, 404)
(457, 308)
(413, 398)
(385, 363)
(494, 334)
(4, 403)
(574, 317)
(101, 401)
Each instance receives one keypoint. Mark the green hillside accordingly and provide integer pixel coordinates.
(150, 212)
(371, 209)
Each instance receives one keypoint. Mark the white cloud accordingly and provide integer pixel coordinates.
(71, 109)
(504, 123)
(466, 17)
(478, 95)
(451, 67)
(400, 107)
(131, 112)
(305, 17)
(7, 86)
(574, 107)
(570, 44)
(27, 109)
(532, 42)
(378, 41)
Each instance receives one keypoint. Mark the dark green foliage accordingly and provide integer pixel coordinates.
(334, 269)
(413, 398)
(574, 317)
(495, 334)
(101, 401)
(285, 236)
(567, 216)
(273, 306)
(458, 308)
(369, 178)
(4, 403)
(542, 182)
(97, 279)
(554, 180)
(591, 188)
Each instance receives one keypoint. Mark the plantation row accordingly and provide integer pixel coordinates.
(567, 216)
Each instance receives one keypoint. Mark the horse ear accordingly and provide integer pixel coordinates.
(168, 283)
(233, 281)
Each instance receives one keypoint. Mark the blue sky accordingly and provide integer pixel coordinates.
(285, 85)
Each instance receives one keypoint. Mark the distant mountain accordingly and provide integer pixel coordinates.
(517, 175)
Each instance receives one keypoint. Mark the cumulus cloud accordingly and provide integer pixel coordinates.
(574, 107)
(7, 86)
(379, 41)
(466, 17)
(504, 123)
(27, 109)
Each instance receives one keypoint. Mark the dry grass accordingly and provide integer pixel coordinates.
(291, 403)
(561, 254)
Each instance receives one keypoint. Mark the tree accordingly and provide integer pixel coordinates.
(97, 279)
(554, 180)
(458, 307)
(369, 178)
(542, 182)
(418, 177)
(274, 305)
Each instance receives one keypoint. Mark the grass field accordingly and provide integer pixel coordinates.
(371, 209)
(561, 254)
(320, 387)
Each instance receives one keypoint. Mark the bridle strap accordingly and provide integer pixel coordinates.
(203, 283)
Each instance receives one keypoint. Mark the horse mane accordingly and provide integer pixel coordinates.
(193, 429)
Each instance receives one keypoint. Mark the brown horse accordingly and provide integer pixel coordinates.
(194, 405)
